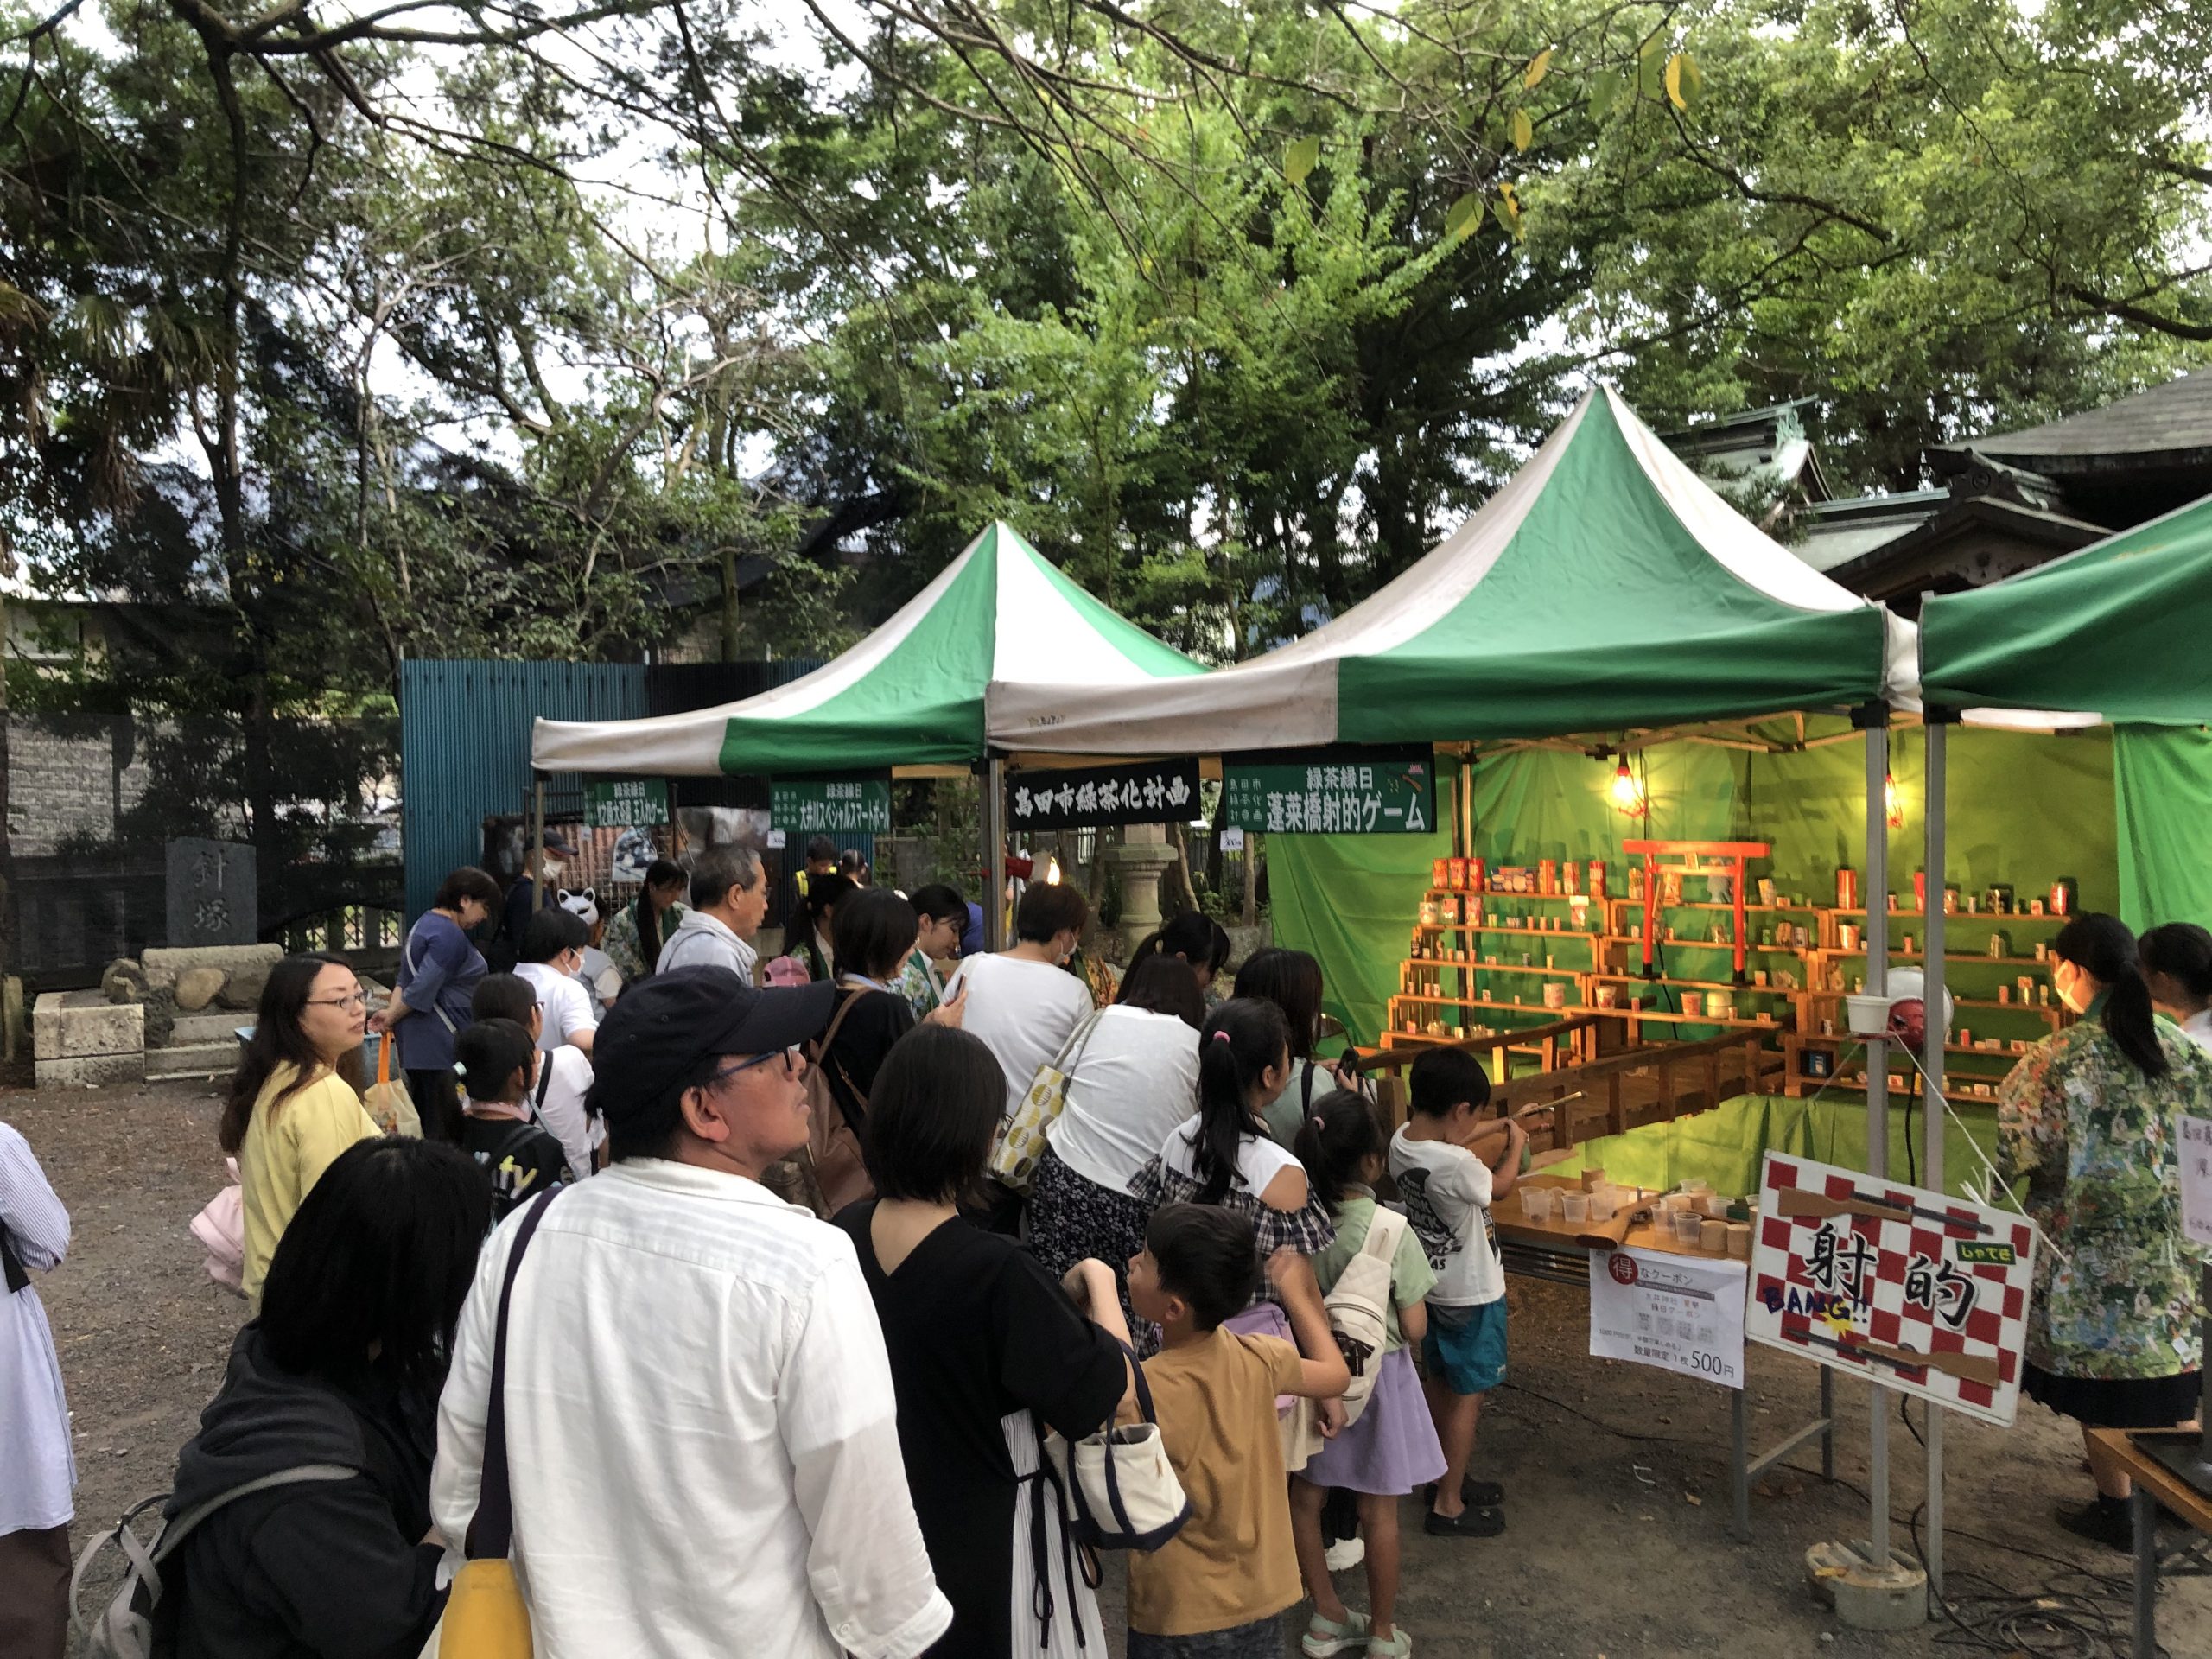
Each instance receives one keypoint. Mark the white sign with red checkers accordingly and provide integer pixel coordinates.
(1925, 1293)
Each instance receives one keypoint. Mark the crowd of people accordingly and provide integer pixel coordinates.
(719, 1306)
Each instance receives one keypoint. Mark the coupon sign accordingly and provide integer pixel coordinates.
(1677, 1312)
(2196, 1179)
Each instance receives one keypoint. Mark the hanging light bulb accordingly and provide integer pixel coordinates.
(1892, 802)
(1627, 793)
(1052, 872)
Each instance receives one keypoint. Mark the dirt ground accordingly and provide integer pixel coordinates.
(1617, 1475)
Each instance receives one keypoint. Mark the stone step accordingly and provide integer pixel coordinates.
(192, 1060)
(213, 1027)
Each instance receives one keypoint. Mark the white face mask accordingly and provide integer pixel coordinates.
(553, 866)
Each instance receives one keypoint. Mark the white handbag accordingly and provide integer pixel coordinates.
(1123, 1490)
(1359, 1307)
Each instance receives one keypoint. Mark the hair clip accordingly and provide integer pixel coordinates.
(459, 1070)
(1221, 1036)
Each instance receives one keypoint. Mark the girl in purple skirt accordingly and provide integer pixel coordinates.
(1392, 1449)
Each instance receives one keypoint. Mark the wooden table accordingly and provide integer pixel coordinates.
(2155, 1484)
(1556, 1251)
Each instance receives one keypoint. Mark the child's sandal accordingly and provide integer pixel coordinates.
(1396, 1645)
(1324, 1638)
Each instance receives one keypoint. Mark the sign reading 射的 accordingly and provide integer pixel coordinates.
(1922, 1292)
(625, 803)
(1332, 793)
(2196, 1179)
(1157, 791)
(1676, 1312)
(830, 806)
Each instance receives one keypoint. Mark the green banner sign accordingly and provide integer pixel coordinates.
(1332, 793)
(815, 806)
(625, 803)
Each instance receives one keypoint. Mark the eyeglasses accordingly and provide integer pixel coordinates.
(357, 1000)
(788, 1055)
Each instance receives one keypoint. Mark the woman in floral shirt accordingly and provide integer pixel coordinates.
(636, 932)
(2086, 1121)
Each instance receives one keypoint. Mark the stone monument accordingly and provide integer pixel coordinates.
(211, 894)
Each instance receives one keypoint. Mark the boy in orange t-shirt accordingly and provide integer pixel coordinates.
(1220, 1586)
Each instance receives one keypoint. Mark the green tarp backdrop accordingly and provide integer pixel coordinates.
(2124, 816)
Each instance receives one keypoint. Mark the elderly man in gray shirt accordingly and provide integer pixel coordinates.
(729, 896)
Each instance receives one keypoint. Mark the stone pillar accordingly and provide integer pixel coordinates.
(1144, 856)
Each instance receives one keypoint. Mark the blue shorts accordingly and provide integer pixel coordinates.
(1465, 1347)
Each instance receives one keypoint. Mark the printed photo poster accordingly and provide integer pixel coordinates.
(1676, 1312)
(1925, 1293)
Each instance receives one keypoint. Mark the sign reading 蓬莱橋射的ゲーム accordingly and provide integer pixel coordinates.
(1154, 791)
(1337, 792)
(625, 803)
(830, 806)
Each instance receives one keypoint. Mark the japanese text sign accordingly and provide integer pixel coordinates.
(1159, 791)
(625, 803)
(2197, 1179)
(1673, 1312)
(818, 807)
(1334, 792)
(1926, 1294)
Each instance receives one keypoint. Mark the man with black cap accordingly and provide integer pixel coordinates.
(702, 1436)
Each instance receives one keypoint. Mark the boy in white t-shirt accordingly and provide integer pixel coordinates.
(1448, 1191)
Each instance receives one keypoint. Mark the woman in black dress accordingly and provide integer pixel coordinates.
(987, 1352)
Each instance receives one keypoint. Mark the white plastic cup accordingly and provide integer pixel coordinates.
(1601, 1204)
(1574, 1208)
(1537, 1202)
(1687, 1225)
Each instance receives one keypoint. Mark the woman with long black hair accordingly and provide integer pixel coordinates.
(2086, 1121)
(1222, 1156)
(636, 932)
(342, 1369)
(296, 1100)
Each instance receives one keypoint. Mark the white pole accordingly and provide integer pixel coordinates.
(1931, 1098)
(1877, 894)
(994, 893)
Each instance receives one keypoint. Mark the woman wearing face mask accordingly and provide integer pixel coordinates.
(2086, 1126)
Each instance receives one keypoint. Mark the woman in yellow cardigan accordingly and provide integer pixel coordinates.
(295, 1102)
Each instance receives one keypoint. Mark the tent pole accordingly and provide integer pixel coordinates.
(1463, 802)
(535, 869)
(1877, 895)
(1936, 731)
(993, 817)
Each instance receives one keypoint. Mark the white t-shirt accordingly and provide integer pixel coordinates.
(1023, 1011)
(1259, 1160)
(1134, 1080)
(1446, 1191)
(564, 1002)
(567, 1077)
(2198, 1029)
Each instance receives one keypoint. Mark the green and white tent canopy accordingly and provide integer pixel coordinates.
(2115, 632)
(911, 693)
(1605, 588)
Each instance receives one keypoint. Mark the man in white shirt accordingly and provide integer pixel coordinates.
(702, 1436)
(729, 895)
(552, 952)
(35, 1492)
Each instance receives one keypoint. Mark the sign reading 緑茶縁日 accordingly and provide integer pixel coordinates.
(1157, 791)
(1332, 793)
(625, 803)
(830, 806)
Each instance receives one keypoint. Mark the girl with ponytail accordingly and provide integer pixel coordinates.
(2086, 1123)
(2177, 967)
(1193, 937)
(1221, 1156)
